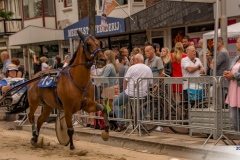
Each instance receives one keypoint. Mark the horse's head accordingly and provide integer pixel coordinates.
(91, 47)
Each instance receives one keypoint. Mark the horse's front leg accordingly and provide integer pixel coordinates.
(34, 135)
(105, 133)
(68, 118)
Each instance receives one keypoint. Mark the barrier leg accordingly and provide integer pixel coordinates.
(207, 139)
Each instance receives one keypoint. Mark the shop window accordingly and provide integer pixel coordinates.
(138, 40)
(32, 8)
(49, 8)
(177, 35)
(201, 28)
(119, 42)
(67, 3)
(104, 43)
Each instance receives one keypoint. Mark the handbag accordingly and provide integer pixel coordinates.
(109, 92)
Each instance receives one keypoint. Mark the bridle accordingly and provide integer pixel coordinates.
(88, 64)
(84, 40)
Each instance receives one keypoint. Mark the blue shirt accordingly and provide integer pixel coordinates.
(5, 64)
(109, 71)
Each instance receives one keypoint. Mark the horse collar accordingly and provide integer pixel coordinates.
(74, 83)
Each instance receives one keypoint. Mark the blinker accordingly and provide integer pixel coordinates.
(88, 64)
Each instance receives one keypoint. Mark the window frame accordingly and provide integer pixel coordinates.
(36, 16)
(66, 4)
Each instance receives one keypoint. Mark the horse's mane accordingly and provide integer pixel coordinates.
(74, 56)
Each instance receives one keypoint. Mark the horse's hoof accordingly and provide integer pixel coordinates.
(105, 135)
(33, 142)
(72, 147)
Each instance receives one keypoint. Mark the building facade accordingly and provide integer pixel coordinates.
(9, 27)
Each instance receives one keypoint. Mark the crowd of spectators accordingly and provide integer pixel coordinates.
(185, 59)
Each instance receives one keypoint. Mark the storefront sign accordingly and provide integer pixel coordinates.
(232, 49)
(115, 25)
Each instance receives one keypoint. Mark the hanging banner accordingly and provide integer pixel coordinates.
(107, 7)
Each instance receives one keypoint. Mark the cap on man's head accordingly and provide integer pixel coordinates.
(12, 67)
(147, 43)
(156, 45)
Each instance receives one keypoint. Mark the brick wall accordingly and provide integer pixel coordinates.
(151, 2)
(83, 7)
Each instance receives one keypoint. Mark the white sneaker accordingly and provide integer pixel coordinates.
(75, 123)
(130, 126)
(17, 121)
(159, 129)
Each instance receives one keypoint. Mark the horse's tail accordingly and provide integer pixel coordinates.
(21, 105)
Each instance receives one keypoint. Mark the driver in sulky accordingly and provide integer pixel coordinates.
(11, 81)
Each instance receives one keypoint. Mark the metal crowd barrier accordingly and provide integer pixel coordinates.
(229, 128)
(204, 112)
(106, 93)
(167, 106)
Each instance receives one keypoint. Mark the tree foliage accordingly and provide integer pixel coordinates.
(5, 14)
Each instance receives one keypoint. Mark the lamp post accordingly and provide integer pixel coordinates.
(215, 38)
(223, 22)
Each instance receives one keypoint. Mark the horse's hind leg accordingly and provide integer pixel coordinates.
(44, 115)
(105, 133)
(31, 117)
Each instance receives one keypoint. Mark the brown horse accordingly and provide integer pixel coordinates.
(74, 89)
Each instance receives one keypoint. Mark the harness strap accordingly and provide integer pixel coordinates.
(85, 95)
(71, 79)
(80, 88)
(59, 102)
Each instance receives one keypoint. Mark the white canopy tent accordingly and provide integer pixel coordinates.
(232, 31)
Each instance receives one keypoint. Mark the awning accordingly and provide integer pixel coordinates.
(115, 25)
(35, 34)
(232, 31)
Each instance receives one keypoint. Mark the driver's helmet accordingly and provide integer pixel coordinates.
(12, 67)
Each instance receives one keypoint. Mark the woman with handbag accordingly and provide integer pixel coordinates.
(110, 70)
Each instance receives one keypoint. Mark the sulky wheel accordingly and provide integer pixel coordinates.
(61, 129)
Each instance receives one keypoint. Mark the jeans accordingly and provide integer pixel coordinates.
(122, 99)
(185, 95)
(235, 117)
(119, 101)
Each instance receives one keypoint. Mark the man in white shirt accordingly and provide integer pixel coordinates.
(191, 67)
(129, 86)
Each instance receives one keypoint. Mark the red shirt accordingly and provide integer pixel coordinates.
(177, 71)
